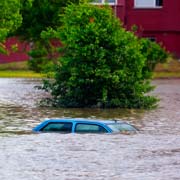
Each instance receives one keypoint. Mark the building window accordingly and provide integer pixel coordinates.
(148, 3)
(111, 2)
(159, 2)
(153, 39)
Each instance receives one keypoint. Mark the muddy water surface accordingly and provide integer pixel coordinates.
(152, 154)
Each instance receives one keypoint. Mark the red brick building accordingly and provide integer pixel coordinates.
(158, 20)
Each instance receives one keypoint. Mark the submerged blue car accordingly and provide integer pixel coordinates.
(71, 125)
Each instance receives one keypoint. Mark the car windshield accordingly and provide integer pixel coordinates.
(121, 127)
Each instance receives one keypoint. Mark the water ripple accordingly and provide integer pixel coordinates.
(151, 154)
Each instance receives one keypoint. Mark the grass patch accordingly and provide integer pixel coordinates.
(170, 69)
(161, 75)
(17, 70)
(14, 66)
(19, 74)
(172, 65)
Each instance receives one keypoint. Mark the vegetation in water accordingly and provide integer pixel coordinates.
(102, 65)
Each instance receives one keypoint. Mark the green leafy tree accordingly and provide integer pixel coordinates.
(38, 16)
(153, 52)
(103, 65)
(10, 19)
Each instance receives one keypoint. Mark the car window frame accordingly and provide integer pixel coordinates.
(42, 128)
(98, 132)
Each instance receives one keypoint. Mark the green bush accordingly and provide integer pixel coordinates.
(38, 58)
(154, 54)
(102, 64)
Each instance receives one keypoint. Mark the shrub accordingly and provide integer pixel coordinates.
(154, 53)
(102, 64)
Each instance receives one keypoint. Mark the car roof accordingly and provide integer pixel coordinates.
(84, 120)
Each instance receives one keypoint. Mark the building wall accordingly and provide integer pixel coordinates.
(161, 23)
(166, 18)
(16, 51)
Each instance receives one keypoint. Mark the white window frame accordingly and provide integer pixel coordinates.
(152, 4)
(104, 2)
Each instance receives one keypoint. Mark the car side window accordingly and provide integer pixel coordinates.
(63, 127)
(89, 128)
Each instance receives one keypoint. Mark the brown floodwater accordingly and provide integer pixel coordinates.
(151, 154)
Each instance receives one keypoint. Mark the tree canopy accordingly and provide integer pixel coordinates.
(38, 16)
(10, 18)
